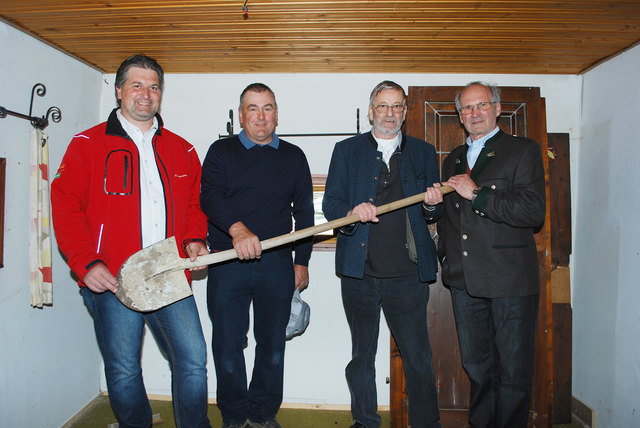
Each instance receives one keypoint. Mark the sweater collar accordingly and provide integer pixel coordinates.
(248, 144)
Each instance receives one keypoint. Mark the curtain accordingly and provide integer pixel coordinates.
(40, 287)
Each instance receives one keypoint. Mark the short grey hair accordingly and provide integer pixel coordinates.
(383, 86)
(495, 92)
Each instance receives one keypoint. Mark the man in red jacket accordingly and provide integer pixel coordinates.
(122, 186)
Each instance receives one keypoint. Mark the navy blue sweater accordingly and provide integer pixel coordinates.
(262, 187)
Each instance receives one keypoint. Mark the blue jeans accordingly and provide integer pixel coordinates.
(178, 332)
(496, 344)
(268, 282)
(404, 302)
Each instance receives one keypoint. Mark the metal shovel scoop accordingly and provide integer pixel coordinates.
(154, 276)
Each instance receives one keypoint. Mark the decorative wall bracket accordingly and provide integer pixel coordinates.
(337, 134)
(37, 122)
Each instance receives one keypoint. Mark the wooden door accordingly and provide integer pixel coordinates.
(432, 117)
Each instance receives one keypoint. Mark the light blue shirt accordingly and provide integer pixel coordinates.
(247, 143)
(475, 147)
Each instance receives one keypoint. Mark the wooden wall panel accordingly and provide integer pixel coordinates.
(560, 201)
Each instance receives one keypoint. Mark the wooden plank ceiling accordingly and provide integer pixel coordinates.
(203, 36)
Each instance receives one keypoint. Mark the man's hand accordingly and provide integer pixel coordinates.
(245, 242)
(99, 279)
(302, 276)
(463, 184)
(366, 211)
(433, 195)
(195, 249)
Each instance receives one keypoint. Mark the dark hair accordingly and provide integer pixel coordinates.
(383, 86)
(495, 92)
(257, 87)
(141, 61)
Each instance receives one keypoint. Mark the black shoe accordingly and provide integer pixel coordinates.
(242, 425)
(273, 423)
(357, 425)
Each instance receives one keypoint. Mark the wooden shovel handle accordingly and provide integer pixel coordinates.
(277, 241)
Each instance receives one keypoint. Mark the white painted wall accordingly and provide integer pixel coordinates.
(606, 333)
(196, 107)
(49, 360)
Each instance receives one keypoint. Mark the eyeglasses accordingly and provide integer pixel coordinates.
(383, 108)
(483, 106)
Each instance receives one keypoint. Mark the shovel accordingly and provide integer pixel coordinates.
(154, 276)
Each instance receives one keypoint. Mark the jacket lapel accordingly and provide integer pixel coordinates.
(461, 161)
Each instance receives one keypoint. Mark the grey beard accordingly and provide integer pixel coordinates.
(387, 133)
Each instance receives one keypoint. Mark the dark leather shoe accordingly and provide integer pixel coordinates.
(242, 425)
(268, 424)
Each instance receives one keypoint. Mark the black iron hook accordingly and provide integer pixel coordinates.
(37, 122)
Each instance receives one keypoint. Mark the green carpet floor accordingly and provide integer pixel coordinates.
(99, 415)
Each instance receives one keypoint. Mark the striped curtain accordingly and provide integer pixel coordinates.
(40, 287)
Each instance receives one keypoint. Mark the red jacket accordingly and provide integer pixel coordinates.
(95, 195)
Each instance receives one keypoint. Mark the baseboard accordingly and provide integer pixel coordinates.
(298, 406)
(582, 414)
(75, 417)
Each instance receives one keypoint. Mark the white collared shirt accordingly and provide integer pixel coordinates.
(153, 216)
(388, 147)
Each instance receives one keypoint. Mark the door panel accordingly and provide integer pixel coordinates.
(432, 116)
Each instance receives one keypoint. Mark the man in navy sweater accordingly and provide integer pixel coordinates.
(253, 185)
(386, 262)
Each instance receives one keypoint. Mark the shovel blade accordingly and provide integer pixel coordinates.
(140, 287)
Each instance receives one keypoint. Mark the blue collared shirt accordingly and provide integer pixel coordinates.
(247, 143)
(475, 147)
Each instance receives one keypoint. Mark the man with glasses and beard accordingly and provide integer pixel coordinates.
(386, 262)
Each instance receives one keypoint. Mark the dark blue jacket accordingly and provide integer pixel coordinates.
(353, 179)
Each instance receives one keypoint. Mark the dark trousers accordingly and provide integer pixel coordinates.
(496, 343)
(267, 282)
(404, 302)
